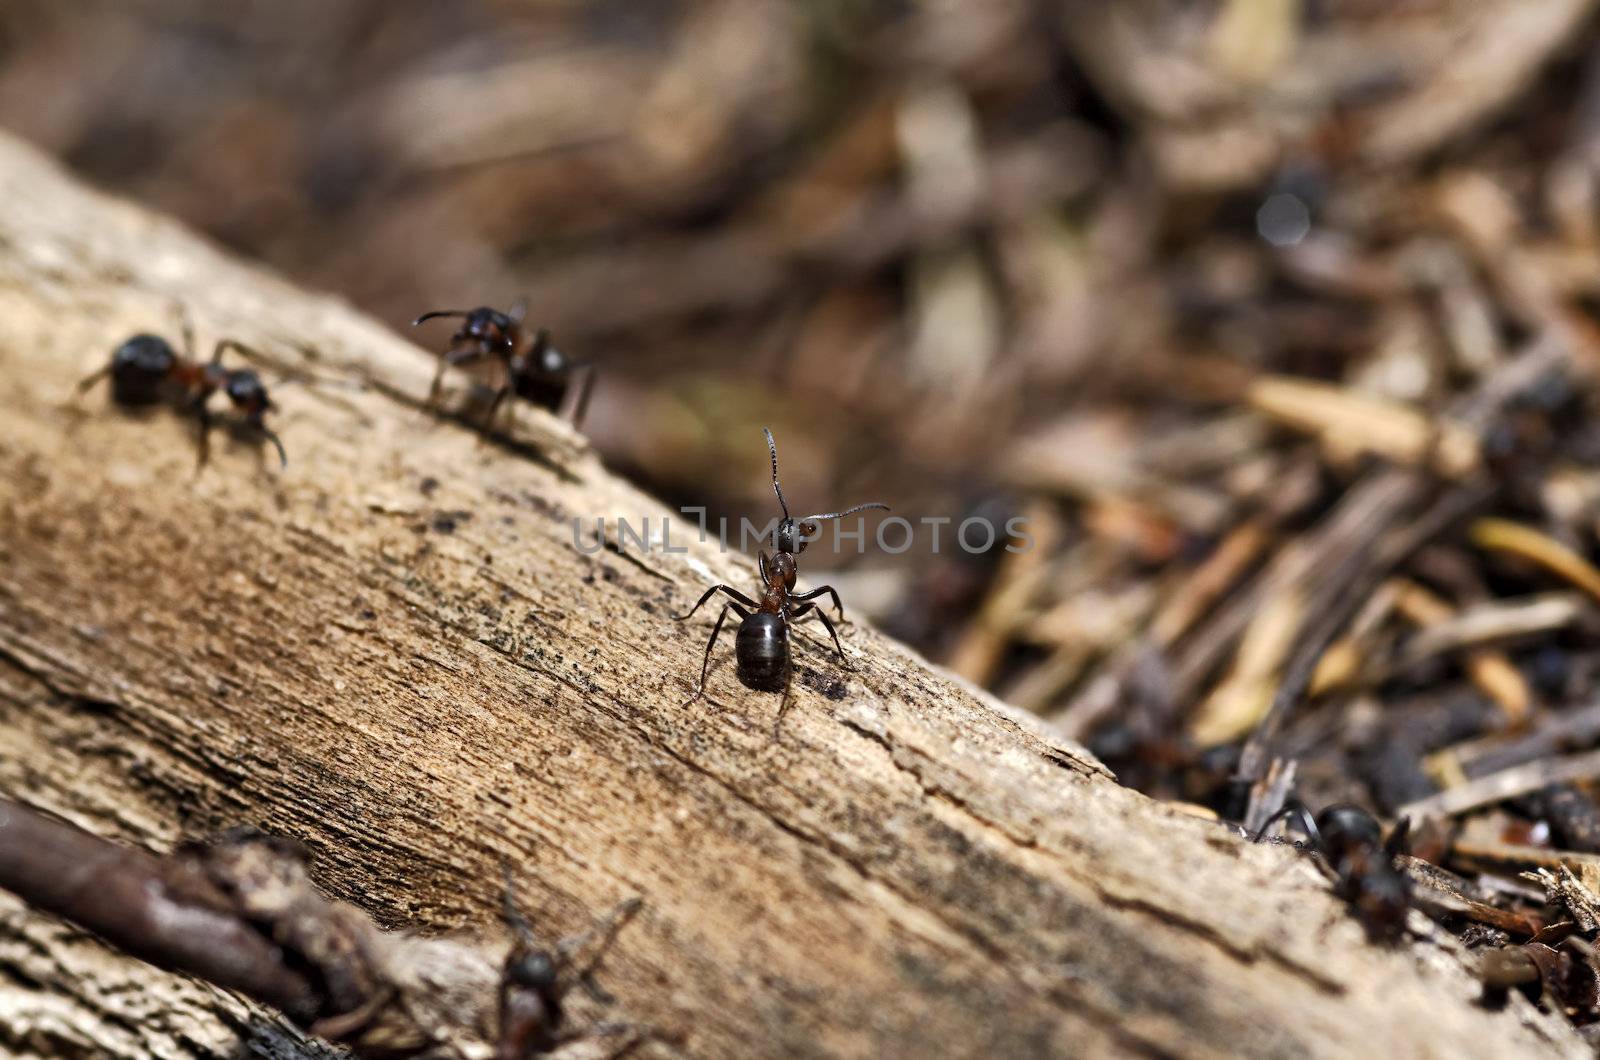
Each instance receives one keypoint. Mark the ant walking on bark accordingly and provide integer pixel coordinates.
(761, 646)
(145, 370)
(1350, 845)
(535, 982)
(539, 373)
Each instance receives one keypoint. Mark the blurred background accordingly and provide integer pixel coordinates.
(1073, 261)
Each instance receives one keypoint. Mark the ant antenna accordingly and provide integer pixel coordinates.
(439, 313)
(772, 447)
(513, 916)
(848, 511)
(186, 328)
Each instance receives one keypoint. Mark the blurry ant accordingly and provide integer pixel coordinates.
(761, 647)
(541, 374)
(145, 370)
(1350, 843)
(535, 981)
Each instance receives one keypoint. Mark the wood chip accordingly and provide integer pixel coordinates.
(1535, 546)
(1350, 421)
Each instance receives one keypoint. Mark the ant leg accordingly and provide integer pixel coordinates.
(826, 621)
(730, 590)
(438, 381)
(783, 704)
(705, 664)
(828, 590)
(272, 436)
(1293, 809)
(1399, 839)
(494, 406)
(92, 378)
(454, 357)
(597, 940)
(584, 384)
(807, 609)
(250, 353)
(204, 415)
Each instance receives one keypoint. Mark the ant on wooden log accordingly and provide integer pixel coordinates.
(535, 982)
(1350, 844)
(540, 373)
(761, 647)
(145, 370)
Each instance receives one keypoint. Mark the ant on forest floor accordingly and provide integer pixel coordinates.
(761, 647)
(540, 373)
(535, 981)
(1350, 847)
(145, 370)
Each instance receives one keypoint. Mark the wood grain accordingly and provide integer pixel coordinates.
(393, 652)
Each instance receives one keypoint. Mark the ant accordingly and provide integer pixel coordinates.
(1350, 843)
(145, 370)
(541, 374)
(761, 647)
(535, 981)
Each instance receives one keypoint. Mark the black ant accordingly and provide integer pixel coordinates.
(761, 647)
(541, 373)
(535, 982)
(1350, 843)
(145, 370)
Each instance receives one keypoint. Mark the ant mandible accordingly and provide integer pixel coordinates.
(535, 982)
(761, 647)
(541, 374)
(145, 370)
(1350, 842)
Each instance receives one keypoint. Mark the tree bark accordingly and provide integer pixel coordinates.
(394, 653)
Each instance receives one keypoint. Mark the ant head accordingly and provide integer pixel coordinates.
(534, 969)
(1346, 829)
(484, 324)
(139, 370)
(793, 535)
(488, 324)
(245, 389)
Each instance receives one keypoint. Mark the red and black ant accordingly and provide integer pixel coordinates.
(535, 982)
(145, 370)
(540, 373)
(1350, 843)
(761, 647)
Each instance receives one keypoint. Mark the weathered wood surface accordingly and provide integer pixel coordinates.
(394, 652)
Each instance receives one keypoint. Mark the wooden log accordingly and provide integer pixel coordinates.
(394, 652)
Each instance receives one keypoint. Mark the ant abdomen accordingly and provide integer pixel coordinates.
(141, 371)
(761, 651)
